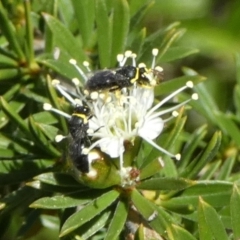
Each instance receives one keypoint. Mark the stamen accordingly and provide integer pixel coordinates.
(159, 69)
(48, 107)
(188, 84)
(195, 96)
(160, 148)
(178, 156)
(80, 71)
(128, 53)
(154, 53)
(94, 95)
(57, 85)
(120, 58)
(76, 82)
(175, 114)
(86, 65)
(157, 114)
(133, 56)
(141, 65)
(59, 138)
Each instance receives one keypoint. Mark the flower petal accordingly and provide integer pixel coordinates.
(112, 146)
(151, 128)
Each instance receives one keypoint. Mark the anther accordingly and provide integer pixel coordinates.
(47, 106)
(59, 138)
(195, 96)
(189, 84)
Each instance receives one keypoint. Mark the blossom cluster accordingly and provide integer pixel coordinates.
(119, 114)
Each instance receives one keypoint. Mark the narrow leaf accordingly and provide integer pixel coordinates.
(213, 221)
(118, 221)
(66, 201)
(88, 212)
(64, 39)
(179, 233)
(157, 220)
(228, 126)
(84, 13)
(103, 33)
(165, 184)
(235, 210)
(120, 26)
(9, 31)
(9, 111)
(207, 155)
(41, 140)
(175, 53)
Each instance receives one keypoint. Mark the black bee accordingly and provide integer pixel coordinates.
(123, 77)
(78, 126)
(79, 160)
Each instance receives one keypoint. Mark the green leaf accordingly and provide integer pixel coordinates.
(9, 111)
(66, 201)
(94, 225)
(15, 107)
(88, 212)
(226, 168)
(179, 233)
(150, 169)
(193, 141)
(54, 99)
(237, 99)
(45, 118)
(21, 197)
(84, 13)
(29, 32)
(207, 155)
(227, 125)
(169, 39)
(6, 61)
(169, 166)
(64, 39)
(235, 210)
(165, 184)
(140, 12)
(103, 33)
(138, 41)
(120, 26)
(61, 67)
(41, 140)
(9, 73)
(17, 171)
(211, 222)
(210, 170)
(207, 106)
(175, 53)
(118, 221)
(9, 31)
(43, 187)
(156, 217)
(156, 40)
(57, 179)
(169, 86)
(237, 57)
(216, 193)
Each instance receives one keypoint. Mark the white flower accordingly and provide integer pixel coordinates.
(123, 115)
(131, 115)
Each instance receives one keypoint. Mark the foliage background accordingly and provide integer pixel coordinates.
(212, 27)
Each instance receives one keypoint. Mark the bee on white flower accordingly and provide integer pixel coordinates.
(122, 108)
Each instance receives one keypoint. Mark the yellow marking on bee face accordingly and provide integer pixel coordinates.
(133, 80)
(82, 116)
